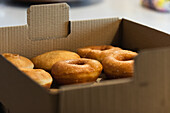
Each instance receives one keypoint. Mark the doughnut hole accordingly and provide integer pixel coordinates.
(80, 64)
(76, 71)
(119, 65)
(77, 62)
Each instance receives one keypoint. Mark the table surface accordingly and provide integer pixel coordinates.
(12, 14)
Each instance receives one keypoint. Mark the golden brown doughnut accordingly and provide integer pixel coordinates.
(76, 71)
(48, 59)
(40, 76)
(18, 61)
(120, 64)
(97, 52)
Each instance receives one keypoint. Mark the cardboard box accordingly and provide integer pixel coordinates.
(49, 29)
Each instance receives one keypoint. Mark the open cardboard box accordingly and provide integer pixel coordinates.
(49, 29)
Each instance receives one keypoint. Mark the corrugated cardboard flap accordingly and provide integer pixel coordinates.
(48, 21)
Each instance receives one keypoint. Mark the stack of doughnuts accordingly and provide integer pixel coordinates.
(25, 65)
(97, 52)
(68, 67)
(116, 62)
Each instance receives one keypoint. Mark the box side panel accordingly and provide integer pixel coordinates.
(156, 67)
(92, 32)
(83, 33)
(137, 37)
(20, 94)
(147, 93)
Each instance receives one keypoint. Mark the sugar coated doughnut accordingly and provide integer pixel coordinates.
(18, 61)
(47, 60)
(97, 52)
(120, 64)
(76, 71)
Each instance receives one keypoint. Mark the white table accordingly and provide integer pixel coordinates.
(11, 15)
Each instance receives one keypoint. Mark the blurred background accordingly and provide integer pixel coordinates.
(153, 13)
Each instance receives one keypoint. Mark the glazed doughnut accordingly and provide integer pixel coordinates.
(47, 60)
(76, 71)
(40, 76)
(120, 64)
(97, 52)
(18, 61)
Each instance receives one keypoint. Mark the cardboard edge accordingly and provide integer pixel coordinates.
(40, 5)
(93, 19)
(10, 27)
(150, 50)
(92, 84)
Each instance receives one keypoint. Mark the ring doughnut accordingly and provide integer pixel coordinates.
(76, 71)
(97, 52)
(120, 64)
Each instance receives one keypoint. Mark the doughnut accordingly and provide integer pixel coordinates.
(47, 60)
(18, 61)
(119, 64)
(76, 71)
(40, 76)
(97, 52)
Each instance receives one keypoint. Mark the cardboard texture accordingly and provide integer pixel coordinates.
(49, 29)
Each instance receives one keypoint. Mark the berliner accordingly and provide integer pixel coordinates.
(18, 61)
(97, 52)
(76, 71)
(119, 64)
(40, 76)
(46, 60)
